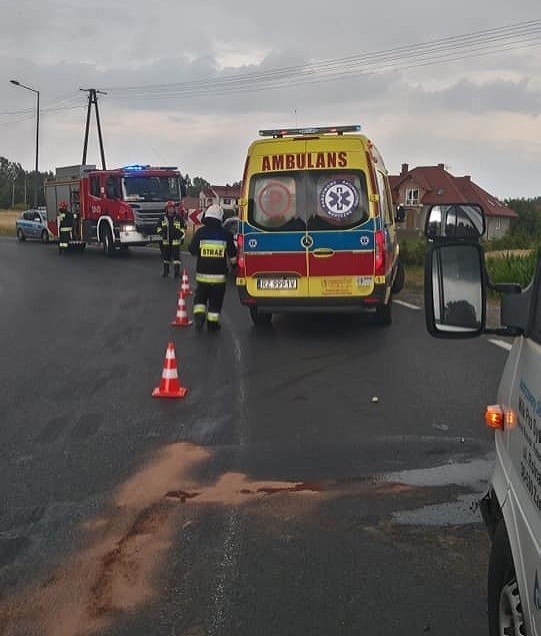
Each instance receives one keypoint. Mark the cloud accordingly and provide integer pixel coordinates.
(205, 49)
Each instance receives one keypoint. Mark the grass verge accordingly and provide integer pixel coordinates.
(7, 222)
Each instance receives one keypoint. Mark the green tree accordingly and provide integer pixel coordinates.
(17, 185)
(195, 185)
(528, 225)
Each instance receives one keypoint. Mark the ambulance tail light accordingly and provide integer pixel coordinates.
(241, 264)
(380, 253)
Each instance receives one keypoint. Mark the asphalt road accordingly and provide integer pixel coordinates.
(278, 498)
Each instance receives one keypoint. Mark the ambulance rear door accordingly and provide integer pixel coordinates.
(339, 231)
(275, 238)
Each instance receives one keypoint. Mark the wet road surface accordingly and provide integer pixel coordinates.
(277, 498)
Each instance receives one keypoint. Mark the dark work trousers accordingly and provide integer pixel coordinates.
(170, 253)
(211, 294)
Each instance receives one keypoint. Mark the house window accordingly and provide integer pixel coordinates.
(499, 224)
(227, 201)
(412, 196)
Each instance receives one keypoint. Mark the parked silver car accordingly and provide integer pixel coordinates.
(32, 224)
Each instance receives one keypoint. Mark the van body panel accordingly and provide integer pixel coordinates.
(519, 453)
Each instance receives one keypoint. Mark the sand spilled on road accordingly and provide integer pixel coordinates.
(115, 572)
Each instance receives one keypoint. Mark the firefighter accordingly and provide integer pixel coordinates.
(171, 230)
(65, 227)
(212, 244)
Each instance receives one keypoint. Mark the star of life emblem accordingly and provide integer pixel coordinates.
(339, 198)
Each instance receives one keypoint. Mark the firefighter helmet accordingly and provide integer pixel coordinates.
(62, 205)
(170, 205)
(214, 212)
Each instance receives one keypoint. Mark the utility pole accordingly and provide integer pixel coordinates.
(37, 176)
(93, 99)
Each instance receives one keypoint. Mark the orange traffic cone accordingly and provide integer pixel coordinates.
(185, 284)
(181, 319)
(170, 386)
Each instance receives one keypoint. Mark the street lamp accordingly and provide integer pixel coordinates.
(36, 184)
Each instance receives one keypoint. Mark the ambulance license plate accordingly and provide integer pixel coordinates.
(277, 283)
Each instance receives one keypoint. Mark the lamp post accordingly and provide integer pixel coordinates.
(36, 183)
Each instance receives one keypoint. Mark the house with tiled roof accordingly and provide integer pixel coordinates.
(225, 196)
(423, 186)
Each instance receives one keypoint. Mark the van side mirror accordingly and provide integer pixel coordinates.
(455, 221)
(400, 213)
(455, 296)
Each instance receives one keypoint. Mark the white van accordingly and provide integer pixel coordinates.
(455, 304)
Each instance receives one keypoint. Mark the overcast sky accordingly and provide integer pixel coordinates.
(422, 88)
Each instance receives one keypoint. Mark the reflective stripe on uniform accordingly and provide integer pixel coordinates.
(210, 278)
(66, 229)
(199, 309)
(212, 249)
(176, 262)
(213, 317)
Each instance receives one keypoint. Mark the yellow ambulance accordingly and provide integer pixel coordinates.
(317, 225)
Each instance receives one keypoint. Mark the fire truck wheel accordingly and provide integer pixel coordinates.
(107, 241)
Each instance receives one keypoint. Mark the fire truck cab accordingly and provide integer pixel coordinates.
(115, 208)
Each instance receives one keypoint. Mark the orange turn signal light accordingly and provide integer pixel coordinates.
(494, 416)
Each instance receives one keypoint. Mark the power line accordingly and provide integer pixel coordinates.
(442, 50)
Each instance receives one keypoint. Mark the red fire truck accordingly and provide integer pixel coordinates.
(114, 208)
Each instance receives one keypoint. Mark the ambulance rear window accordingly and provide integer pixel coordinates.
(273, 202)
(342, 200)
(308, 199)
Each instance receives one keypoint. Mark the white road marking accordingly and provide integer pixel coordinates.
(502, 344)
(228, 569)
(405, 304)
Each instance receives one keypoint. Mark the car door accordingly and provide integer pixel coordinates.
(37, 225)
(29, 229)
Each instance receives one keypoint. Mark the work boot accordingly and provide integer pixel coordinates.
(213, 327)
(177, 270)
(165, 272)
(199, 320)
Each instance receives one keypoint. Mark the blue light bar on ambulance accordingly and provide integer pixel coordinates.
(319, 130)
(135, 167)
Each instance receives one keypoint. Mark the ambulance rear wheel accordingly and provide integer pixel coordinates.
(505, 609)
(20, 235)
(399, 278)
(384, 314)
(260, 319)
